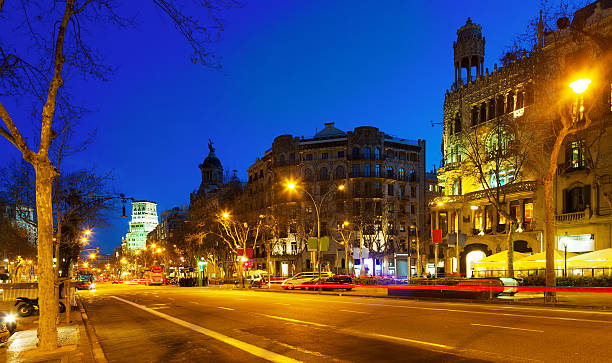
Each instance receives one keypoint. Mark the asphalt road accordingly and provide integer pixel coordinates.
(171, 324)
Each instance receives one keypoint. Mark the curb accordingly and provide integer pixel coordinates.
(94, 345)
(500, 302)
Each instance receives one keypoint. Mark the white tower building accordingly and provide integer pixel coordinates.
(144, 220)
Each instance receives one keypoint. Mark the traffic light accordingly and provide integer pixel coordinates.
(97, 250)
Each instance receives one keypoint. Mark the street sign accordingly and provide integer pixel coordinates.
(312, 244)
(436, 235)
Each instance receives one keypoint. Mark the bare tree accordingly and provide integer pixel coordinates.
(495, 154)
(35, 66)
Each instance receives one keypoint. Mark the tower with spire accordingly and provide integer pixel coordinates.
(469, 52)
(212, 171)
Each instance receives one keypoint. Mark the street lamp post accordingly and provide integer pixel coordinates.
(418, 264)
(340, 187)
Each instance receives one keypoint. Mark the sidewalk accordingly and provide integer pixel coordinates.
(74, 344)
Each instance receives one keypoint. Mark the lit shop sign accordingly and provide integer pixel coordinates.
(577, 243)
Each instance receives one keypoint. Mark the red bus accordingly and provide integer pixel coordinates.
(154, 276)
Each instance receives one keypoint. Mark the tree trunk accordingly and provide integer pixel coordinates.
(268, 258)
(511, 250)
(47, 303)
(549, 238)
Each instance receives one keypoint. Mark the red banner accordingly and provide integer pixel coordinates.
(437, 236)
(249, 252)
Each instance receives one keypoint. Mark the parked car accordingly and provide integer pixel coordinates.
(338, 282)
(302, 277)
(254, 278)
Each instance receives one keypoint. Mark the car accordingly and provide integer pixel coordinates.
(85, 282)
(254, 278)
(302, 277)
(340, 282)
(117, 281)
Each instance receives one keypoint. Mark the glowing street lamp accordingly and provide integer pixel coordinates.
(92, 256)
(580, 85)
(291, 186)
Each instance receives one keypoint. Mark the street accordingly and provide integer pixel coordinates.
(151, 324)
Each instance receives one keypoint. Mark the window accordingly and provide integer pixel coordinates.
(377, 153)
(366, 153)
(457, 187)
(366, 169)
(292, 157)
(389, 172)
(402, 174)
(474, 115)
(574, 154)
(483, 112)
(340, 154)
(412, 177)
(390, 189)
(377, 171)
(308, 175)
(576, 199)
(378, 191)
(308, 157)
(355, 170)
(399, 193)
(324, 155)
(499, 143)
(504, 177)
(458, 122)
(355, 153)
(340, 172)
(323, 174)
(412, 192)
(578, 109)
(528, 214)
(510, 102)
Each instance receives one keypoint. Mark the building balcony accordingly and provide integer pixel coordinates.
(566, 219)
(573, 165)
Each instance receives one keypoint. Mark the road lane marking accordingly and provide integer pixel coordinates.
(224, 308)
(507, 327)
(249, 348)
(390, 337)
(283, 304)
(354, 311)
(297, 321)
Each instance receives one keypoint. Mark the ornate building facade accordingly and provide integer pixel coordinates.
(383, 179)
(490, 119)
(144, 220)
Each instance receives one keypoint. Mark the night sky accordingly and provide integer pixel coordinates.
(289, 66)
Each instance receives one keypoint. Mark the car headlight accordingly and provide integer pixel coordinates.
(9, 318)
(92, 286)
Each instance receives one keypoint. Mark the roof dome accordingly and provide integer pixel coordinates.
(211, 161)
(329, 131)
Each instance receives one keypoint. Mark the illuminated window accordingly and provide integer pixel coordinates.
(528, 214)
(574, 154)
(366, 153)
(578, 109)
(377, 171)
(402, 173)
(366, 170)
(377, 153)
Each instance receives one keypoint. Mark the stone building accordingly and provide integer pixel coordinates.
(500, 110)
(384, 184)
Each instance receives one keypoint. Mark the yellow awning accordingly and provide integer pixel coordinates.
(538, 261)
(497, 261)
(595, 259)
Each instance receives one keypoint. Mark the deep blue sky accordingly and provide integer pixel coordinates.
(289, 67)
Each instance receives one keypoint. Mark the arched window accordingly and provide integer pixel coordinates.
(377, 153)
(308, 174)
(510, 102)
(355, 153)
(366, 153)
(389, 172)
(483, 112)
(340, 172)
(412, 176)
(323, 173)
(498, 143)
(457, 122)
